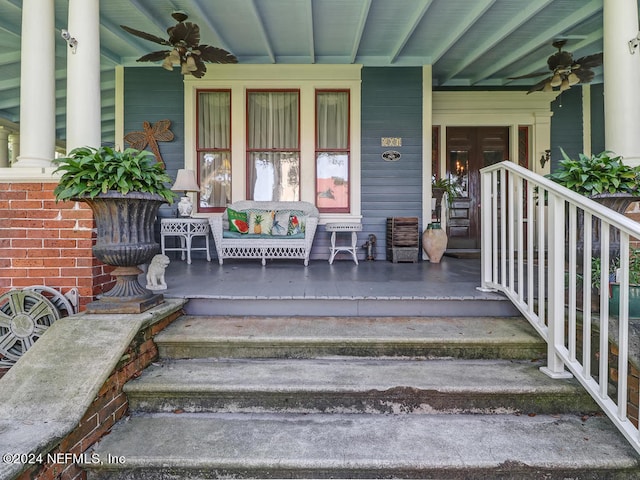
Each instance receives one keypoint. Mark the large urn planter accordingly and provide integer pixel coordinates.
(434, 242)
(125, 239)
(618, 202)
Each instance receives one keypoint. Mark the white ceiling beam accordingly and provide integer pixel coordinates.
(417, 17)
(472, 16)
(553, 31)
(129, 39)
(207, 20)
(359, 29)
(309, 20)
(266, 41)
(149, 14)
(530, 10)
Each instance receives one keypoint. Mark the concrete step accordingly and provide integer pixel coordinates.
(309, 337)
(354, 385)
(206, 446)
(452, 303)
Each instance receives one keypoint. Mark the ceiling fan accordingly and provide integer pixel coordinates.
(186, 50)
(565, 71)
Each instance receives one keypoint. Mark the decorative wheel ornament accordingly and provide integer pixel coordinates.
(24, 316)
(60, 301)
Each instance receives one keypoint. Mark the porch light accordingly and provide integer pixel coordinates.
(185, 182)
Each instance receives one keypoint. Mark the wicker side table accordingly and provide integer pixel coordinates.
(186, 229)
(334, 228)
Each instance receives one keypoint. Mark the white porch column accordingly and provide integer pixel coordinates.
(37, 84)
(621, 74)
(4, 147)
(83, 75)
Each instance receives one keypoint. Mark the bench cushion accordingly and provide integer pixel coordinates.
(229, 234)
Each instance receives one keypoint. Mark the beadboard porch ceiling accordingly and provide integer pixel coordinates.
(476, 44)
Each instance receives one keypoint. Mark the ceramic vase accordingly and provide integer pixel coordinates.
(434, 242)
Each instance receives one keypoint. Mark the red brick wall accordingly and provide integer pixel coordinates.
(47, 243)
(109, 406)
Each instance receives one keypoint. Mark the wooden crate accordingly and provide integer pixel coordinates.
(403, 239)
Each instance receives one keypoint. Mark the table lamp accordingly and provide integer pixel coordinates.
(185, 182)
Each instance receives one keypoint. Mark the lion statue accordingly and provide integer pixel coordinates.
(155, 272)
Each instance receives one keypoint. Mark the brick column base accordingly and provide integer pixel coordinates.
(47, 243)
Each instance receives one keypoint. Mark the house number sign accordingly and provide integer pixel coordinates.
(391, 156)
(390, 142)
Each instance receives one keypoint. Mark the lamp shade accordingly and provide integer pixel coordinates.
(186, 181)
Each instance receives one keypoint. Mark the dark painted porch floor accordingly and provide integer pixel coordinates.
(379, 287)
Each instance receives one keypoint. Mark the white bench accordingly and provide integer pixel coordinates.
(235, 245)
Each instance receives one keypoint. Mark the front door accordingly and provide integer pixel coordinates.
(468, 150)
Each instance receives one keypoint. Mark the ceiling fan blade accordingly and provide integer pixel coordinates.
(590, 61)
(530, 75)
(145, 35)
(584, 74)
(154, 56)
(538, 87)
(186, 32)
(201, 70)
(216, 55)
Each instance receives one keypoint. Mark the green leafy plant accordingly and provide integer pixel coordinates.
(614, 265)
(448, 186)
(602, 173)
(89, 171)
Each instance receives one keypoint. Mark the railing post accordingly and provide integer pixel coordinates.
(486, 239)
(556, 315)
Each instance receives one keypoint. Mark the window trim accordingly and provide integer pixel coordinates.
(199, 150)
(248, 194)
(346, 209)
(306, 78)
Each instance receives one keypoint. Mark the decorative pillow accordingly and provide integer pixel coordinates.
(296, 224)
(261, 221)
(237, 221)
(280, 223)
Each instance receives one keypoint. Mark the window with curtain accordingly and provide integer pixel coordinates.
(214, 149)
(332, 151)
(273, 145)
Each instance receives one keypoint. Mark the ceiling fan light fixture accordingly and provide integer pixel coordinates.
(556, 80)
(191, 64)
(167, 64)
(573, 79)
(564, 85)
(547, 87)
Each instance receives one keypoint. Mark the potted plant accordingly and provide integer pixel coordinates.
(440, 186)
(603, 178)
(124, 190)
(634, 287)
(434, 239)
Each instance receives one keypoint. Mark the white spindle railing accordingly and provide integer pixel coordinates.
(530, 235)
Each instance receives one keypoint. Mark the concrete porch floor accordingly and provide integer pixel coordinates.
(386, 288)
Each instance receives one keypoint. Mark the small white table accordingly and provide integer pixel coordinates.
(186, 228)
(344, 227)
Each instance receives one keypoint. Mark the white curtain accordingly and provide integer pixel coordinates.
(332, 160)
(333, 120)
(214, 132)
(273, 145)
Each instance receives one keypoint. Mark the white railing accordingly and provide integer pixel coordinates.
(534, 233)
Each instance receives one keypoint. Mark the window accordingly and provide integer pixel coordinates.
(263, 119)
(273, 145)
(214, 149)
(332, 151)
